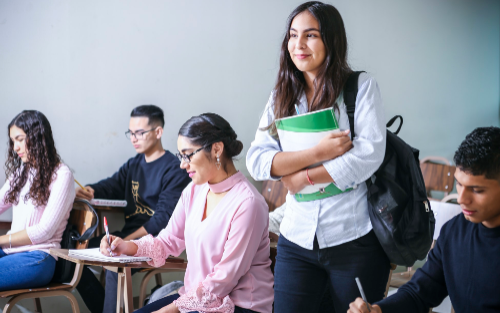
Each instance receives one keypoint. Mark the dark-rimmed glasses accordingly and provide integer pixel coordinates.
(138, 134)
(187, 157)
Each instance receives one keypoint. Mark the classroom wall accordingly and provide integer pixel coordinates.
(86, 64)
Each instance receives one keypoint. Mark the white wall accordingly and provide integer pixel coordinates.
(86, 64)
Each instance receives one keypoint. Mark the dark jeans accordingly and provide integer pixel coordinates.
(28, 269)
(301, 275)
(155, 306)
(90, 287)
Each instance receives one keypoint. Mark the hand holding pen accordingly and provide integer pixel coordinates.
(361, 305)
(86, 193)
(115, 246)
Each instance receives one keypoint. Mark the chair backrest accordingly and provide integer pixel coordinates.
(274, 192)
(82, 217)
(438, 177)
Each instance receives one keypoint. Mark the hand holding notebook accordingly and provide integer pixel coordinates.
(305, 131)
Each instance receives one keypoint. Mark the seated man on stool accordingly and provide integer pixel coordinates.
(151, 182)
(465, 263)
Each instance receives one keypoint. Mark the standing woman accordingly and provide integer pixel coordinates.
(221, 221)
(40, 190)
(326, 241)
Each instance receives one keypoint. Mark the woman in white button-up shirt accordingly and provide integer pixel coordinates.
(329, 240)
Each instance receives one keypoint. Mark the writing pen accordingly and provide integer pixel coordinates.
(297, 109)
(362, 293)
(107, 233)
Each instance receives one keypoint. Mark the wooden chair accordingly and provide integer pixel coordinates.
(82, 217)
(437, 176)
(5, 225)
(274, 192)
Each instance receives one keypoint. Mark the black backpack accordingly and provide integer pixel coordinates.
(65, 269)
(399, 209)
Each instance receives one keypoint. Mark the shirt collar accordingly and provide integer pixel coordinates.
(227, 183)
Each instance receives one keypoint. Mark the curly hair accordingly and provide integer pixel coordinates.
(479, 153)
(43, 159)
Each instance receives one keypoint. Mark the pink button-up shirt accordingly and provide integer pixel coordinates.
(228, 252)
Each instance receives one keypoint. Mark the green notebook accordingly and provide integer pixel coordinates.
(304, 131)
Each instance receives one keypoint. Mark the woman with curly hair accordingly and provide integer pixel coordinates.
(39, 188)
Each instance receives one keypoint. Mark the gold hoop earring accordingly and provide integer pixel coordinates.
(218, 164)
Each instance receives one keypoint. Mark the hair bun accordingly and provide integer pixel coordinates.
(234, 148)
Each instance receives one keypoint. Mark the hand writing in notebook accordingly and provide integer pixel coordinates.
(118, 247)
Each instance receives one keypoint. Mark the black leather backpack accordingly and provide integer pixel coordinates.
(400, 211)
(65, 269)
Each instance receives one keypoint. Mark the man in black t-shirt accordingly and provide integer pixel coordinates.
(151, 182)
(465, 262)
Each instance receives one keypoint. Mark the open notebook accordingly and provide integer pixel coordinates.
(95, 254)
(106, 202)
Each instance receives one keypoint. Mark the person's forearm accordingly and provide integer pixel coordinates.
(16, 239)
(320, 175)
(141, 232)
(286, 163)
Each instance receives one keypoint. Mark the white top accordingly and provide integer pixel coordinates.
(44, 224)
(344, 217)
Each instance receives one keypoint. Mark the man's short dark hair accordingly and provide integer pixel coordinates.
(152, 112)
(479, 153)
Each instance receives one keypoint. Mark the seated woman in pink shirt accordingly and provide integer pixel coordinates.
(40, 190)
(221, 221)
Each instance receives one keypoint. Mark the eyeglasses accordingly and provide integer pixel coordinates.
(138, 134)
(187, 157)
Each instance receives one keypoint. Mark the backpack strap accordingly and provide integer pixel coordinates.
(350, 94)
(86, 235)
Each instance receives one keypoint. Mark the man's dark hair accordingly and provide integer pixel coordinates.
(152, 112)
(479, 153)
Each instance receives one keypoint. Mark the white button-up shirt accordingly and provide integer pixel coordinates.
(344, 217)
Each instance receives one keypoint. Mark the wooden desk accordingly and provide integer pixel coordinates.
(124, 292)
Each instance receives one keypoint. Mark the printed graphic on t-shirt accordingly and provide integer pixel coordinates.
(141, 208)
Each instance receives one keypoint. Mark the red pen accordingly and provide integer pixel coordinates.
(106, 230)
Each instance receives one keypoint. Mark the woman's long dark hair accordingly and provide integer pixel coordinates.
(42, 158)
(208, 128)
(331, 77)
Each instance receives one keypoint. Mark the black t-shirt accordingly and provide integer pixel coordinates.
(151, 190)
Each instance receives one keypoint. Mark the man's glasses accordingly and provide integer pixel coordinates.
(138, 134)
(187, 157)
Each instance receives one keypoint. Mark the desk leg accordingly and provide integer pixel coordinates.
(128, 296)
(119, 291)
